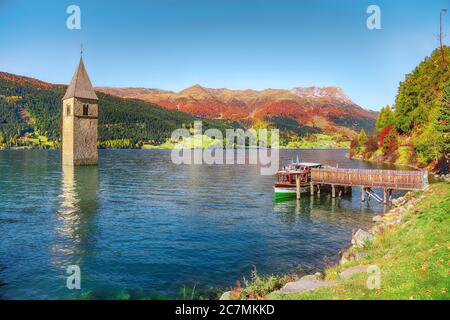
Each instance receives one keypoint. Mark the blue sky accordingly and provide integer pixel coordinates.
(173, 44)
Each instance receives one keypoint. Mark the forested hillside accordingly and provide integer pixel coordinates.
(417, 129)
(31, 110)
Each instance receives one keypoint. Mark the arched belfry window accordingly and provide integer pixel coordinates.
(68, 110)
(85, 109)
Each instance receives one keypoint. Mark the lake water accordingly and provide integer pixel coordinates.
(140, 226)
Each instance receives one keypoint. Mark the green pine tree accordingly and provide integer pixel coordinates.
(421, 91)
(362, 137)
(380, 120)
(443, 122)
(385, 118)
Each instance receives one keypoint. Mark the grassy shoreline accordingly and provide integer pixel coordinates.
(413, 255)
(410, 245)
(312, 141)
(166, 148)
(380, 161)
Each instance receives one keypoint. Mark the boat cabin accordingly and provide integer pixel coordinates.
(290, 172)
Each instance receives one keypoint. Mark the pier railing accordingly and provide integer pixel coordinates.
(389, 179)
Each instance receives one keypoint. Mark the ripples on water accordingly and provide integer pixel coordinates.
(139, 224)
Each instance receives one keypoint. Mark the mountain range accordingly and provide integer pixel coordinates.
(315, 109)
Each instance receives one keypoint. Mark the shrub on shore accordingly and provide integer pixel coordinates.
(257, 287)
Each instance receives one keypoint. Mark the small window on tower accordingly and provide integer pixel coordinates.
(85, 110)
(68, 110)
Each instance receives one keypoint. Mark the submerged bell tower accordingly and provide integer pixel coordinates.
(79, 123)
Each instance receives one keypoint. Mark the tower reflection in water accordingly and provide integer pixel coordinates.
(76, 213)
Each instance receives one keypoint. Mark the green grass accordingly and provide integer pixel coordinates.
(313, 141)
(202, 141)
(35, 141)
(414, 257)
(166, 145)
(319, 141)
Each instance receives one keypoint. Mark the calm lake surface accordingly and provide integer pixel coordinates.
(140, 226)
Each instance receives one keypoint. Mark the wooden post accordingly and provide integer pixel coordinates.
(333, 191)
(318, 189)
(297, 185)
(347, 190)
(384, 196)
(312, 188)
(390, 195)
(363, 194)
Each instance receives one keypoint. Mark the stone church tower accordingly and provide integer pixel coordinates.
(80, 120)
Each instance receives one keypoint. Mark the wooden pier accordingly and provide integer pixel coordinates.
(343, 180)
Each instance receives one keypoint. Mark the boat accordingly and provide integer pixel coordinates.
(285, 179)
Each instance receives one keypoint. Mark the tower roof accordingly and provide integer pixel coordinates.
(80, 86)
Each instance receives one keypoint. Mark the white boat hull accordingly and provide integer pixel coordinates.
(280, 191)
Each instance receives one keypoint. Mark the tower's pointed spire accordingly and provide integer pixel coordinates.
(80, 86)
